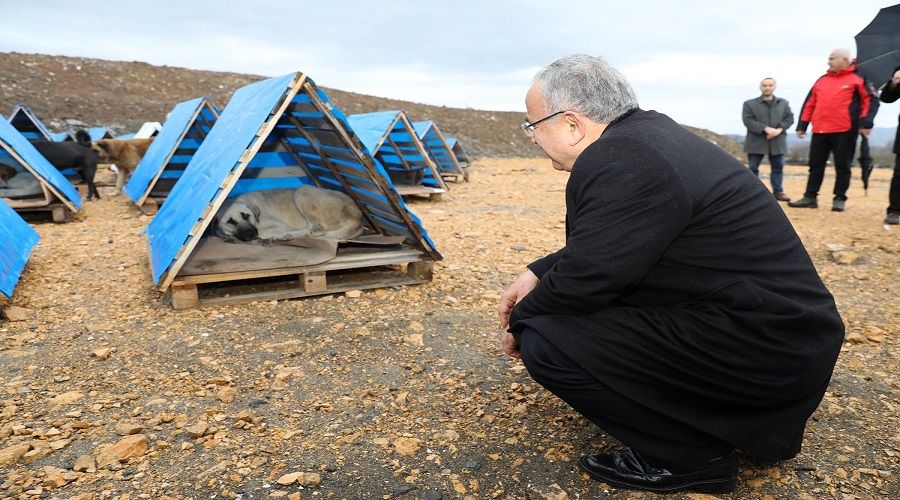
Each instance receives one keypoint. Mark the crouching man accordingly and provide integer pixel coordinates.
(683, 315)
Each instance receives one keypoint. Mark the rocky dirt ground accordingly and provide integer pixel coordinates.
(107, 392)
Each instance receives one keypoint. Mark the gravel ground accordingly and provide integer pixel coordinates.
(107, 392)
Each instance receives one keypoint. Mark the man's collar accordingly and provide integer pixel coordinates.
(622, 117)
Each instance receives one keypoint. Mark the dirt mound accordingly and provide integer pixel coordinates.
(75, 91)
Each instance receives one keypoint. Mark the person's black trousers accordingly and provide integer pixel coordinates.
(651, 434)
(894, 194)
(843, 145)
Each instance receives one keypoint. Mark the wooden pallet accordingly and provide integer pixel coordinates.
(426, 191)
(352, 269)
(58, 212)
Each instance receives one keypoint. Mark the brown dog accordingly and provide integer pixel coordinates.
(125, 154)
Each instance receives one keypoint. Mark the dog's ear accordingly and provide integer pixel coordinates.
(103, 145)
(255, 210)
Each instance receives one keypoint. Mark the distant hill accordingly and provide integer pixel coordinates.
(881, 137)
(73, 91)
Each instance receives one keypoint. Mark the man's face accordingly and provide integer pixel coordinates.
(767, 87)
(838, 61)
(547, 134)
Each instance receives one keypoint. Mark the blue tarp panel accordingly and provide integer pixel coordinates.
(186, 126)
(59, 137)
(100, 133)
(391, 138)
(17, 239)
(320, 148)
(126, 136)
(37, 164)
(457, 149)
(437, 148)
(28, 124)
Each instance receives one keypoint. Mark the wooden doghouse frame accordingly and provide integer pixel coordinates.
(275, 133)
(439, 152)
(59, 197)
(392, 139)
(23, 119)
(170, 152)
(458, 151)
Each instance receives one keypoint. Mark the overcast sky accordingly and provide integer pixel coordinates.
(696, 61)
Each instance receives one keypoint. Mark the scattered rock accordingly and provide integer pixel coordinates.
(102, 353)
(128, 428)
(11, 454)
(289, 478)
(226, 394)
(127, 448)
(198, 429)
(66, 398)
(16, 313)
(55, 477)
(85, 463)
(406, 446)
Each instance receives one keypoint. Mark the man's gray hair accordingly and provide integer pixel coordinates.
(586, 84)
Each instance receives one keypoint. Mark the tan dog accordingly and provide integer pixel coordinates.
(6, 172)
(285, 214)
(125, 154)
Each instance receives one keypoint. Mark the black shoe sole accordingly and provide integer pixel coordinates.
(833, 209)
(724, 485)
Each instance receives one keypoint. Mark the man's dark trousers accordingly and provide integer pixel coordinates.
(843, 145)
(894, 194)
(653, 435)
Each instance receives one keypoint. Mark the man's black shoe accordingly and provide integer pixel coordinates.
(626, 469)
(837, 205)
(892, 218)
(805, 202)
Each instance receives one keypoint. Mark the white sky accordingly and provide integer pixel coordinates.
(696, 61)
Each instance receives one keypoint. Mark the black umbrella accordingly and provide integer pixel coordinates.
(878, 46)
(866, 163)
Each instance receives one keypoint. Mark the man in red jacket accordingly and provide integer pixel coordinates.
(840, 106)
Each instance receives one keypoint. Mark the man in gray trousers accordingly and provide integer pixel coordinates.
(766, 118)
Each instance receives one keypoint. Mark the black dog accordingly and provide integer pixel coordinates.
(77, 155)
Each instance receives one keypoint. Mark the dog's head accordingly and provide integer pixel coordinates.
(237, 220)
(103, 149)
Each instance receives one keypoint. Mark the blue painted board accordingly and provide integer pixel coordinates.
(42, 168)
(154, 160)
(17, 239)
(218, 155)
(224, 151)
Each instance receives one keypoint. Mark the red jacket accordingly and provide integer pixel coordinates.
(839, 102)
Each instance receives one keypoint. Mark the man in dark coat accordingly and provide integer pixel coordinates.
(766, 118)
(890, 93)
(683, 315)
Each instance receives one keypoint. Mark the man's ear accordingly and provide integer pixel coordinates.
(576, 128)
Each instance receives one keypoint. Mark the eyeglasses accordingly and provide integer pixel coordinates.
(528, 127)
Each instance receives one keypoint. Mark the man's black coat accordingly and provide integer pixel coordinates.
(683, 287)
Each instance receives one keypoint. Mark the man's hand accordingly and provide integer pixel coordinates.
(896, 79)
(516, 292)
(865, 132)
(801, 134)
(772, 132)
(510, 346)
